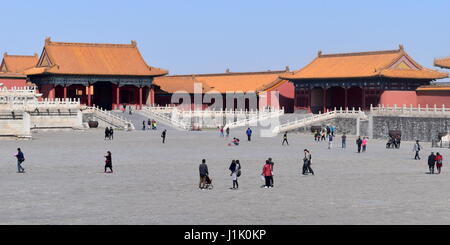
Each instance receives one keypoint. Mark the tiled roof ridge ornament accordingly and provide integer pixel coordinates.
(5, 54)
(287, 68)
(48, 40)
(401, 48)
(134, 43)
(319, 53)
(227, 70)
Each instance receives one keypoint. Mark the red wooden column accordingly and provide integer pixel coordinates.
(346, 98)
(89, 94)
(363, 98)
(51, 92)
(118, 96)
(140, 97)
(152, 95)
(324, 100)
(309, 99)
(65, 91)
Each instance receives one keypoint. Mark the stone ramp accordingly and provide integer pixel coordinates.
(137, 118)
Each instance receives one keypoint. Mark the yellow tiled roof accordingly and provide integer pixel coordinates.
(93, 59)
(18, 63)
(222, 82)
(360, 65)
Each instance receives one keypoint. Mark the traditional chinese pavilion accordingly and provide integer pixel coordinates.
(256, 83)
(359, 80)
(12, 68)
(105, 75)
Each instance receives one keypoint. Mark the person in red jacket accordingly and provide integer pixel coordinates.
(438, 162)
(267, 173)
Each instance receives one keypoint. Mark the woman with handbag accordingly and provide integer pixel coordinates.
(235, 169)
(108, 162)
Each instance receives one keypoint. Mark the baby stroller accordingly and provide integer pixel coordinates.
(209, 184)
(390, 143)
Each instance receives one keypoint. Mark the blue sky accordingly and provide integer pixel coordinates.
(210, 36)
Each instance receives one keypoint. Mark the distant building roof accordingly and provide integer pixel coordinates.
(17, 63)
(93, 59)
(390, 63)
(12, 75)
(442, 62)
(221, 82)
(441, 86)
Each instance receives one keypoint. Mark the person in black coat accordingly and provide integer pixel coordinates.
(108, 162)
(111, 133)
(359, 143)
(431, 162)
(107, 133)
(163, 136)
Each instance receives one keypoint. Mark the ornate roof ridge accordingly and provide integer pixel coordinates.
(230, 74)
(48, 41)
(320, 55)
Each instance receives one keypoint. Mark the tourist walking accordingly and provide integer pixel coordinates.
(330, 141)
(107, 133)
(359, 143)
(163, 136)
(111, 133)
(307, 163)
(228, 132)
(124, 108)
(431, 162)
(285, 139)
(108, 162)
(249, 134)
(364, 144)
(20, 159)
(272, 164)
(344, 141)
(267, 173)
(417, 148)
(235, 169)
(143, 125)
(203, 170)
(438, 162)
(221, 132)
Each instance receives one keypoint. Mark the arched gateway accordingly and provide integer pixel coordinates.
(356, 79)
(105, 75)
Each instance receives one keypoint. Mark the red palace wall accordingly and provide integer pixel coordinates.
(287, 96)
(432, 98)
(422, 98)
(398, 98)
(9, 83)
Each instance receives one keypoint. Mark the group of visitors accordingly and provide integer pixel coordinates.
(236, 170)
(362, 144)
(324, 133)
(151, 124)
(222, 131)
(435, 160)
(109, 133)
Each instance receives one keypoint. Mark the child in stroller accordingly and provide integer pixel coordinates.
(209, 184)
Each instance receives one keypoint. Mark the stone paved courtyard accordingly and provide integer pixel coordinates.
(157, 184)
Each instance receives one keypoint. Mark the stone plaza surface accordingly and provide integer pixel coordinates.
(157, 184)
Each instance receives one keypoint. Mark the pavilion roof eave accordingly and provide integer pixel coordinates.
(96, 75)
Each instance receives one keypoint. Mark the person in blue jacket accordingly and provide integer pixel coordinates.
(249, 134)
